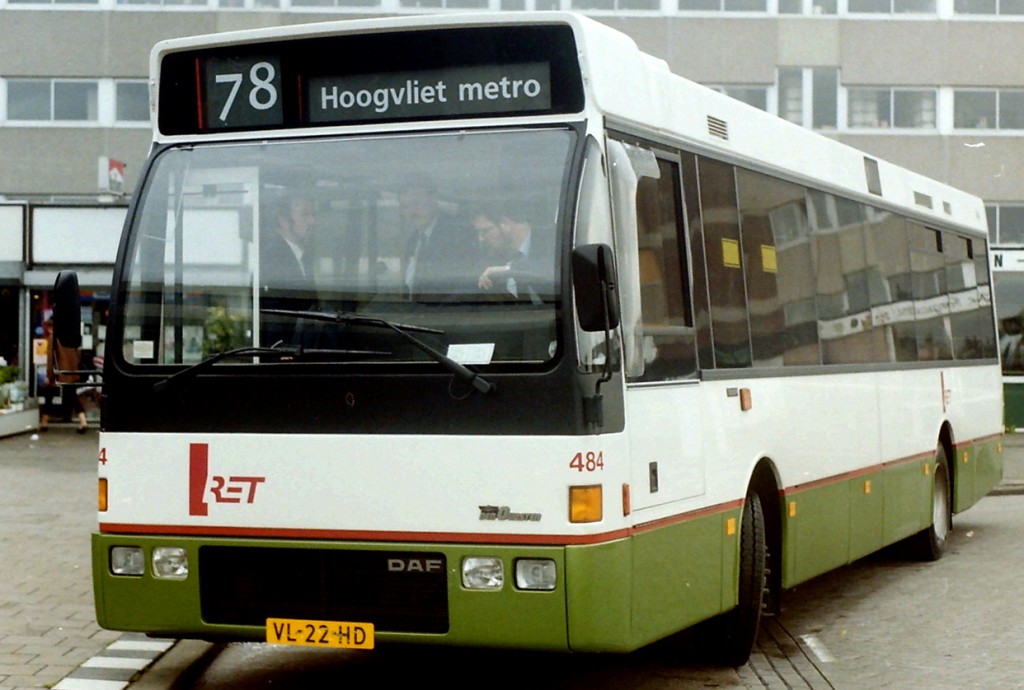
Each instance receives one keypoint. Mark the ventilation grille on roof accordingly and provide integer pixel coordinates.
(718, 128)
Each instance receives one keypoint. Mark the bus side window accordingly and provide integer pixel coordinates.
(727, 288)
(667, 323)
(778, 265)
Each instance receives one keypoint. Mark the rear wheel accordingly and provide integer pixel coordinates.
(930, 543)
(740, 625)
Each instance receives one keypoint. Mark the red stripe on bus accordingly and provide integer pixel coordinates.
(363, 535)
(371, 535)
(199, 96)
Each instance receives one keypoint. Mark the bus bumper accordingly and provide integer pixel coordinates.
(411, 592)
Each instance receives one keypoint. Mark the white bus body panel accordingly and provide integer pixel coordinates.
(811, 428)
(357, 483)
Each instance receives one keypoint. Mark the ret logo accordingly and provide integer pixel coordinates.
(230, 489)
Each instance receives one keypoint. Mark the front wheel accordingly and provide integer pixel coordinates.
(930, 543)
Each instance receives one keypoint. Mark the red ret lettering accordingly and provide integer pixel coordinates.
(230, 490)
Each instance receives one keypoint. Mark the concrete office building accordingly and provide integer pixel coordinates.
(933, 85)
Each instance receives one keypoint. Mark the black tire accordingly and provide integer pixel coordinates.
(930, 543)
(740, 625)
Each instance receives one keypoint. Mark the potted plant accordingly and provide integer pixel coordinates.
(12, 390)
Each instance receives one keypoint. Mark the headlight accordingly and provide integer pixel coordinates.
(127, 560)
(535, 574)
(170, 563)
(483, 573)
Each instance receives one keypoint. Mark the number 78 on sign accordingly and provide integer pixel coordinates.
(242, 93)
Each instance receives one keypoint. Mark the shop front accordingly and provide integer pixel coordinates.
(36, 242)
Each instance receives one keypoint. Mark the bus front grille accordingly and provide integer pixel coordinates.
(396, 591)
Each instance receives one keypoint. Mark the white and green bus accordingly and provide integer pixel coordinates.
(710, 356)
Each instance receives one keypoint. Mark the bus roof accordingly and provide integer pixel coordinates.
(637, 92)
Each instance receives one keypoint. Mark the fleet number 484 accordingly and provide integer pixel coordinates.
(587, 462)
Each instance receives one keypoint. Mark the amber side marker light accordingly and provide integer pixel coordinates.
(102, 496)
(585, 503)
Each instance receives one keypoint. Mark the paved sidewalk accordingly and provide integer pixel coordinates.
(48, 630)
(47, 512)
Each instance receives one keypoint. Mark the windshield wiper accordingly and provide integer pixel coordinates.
(279, 351)
(406, 331)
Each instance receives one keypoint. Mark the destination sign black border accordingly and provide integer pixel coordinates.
(401, 51)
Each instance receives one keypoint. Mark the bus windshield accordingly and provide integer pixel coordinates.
(258, 244)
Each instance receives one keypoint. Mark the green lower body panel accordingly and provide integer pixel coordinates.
(685, 573)
(835, 522)
(977, 469)
(625, 594)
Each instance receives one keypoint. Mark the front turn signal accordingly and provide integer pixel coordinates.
(585, 503)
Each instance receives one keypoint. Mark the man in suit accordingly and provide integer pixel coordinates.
(517, 255)
(286, 267)
(438, 250)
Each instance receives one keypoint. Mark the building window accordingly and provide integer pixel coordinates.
(611, 4)
(75, 102)
(812, 7)
(131, 101)
(824, 97)
(166, 3)
(891, 6)
(723, 6)
(988, 109)
(451, 4)
(52, 100)
(808, 96)
(1011, 224)
(1006, 223)
(28, 100)
(791, 94)
(1005, 7)
(883, 108)
(360, 3)
(249, 4)
(756, 96)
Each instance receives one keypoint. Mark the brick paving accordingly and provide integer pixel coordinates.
(47, 512)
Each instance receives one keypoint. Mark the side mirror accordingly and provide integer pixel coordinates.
(596, 287)
(67, 312)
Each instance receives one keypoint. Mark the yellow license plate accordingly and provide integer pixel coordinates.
(339, 635)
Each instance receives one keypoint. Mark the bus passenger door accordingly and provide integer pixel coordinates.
(663, 413)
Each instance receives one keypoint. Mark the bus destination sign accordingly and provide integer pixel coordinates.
(388, 77)
(481, 90)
